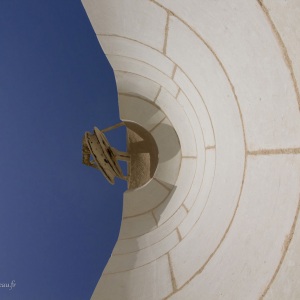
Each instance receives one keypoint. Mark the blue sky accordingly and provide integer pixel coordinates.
(59, 219)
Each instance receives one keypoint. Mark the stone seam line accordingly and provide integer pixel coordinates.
(275, 151)
(152, 212)
(178, 94)
(286, 245)
(283, 48)
(281, 151)
(174, 285)
(174, 71)
(166, 33)
(158, 93)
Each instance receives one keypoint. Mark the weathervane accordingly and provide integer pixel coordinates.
(97, 153)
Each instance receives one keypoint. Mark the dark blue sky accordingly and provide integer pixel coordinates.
(59, 219)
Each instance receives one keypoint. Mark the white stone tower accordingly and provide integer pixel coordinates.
(216, 84)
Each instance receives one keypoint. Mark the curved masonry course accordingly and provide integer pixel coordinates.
(216, 84)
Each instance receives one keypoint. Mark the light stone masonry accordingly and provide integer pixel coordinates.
(216, 85)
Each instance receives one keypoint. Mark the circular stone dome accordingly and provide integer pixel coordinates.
(215, 84)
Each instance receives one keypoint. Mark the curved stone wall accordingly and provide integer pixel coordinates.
(216, 84)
